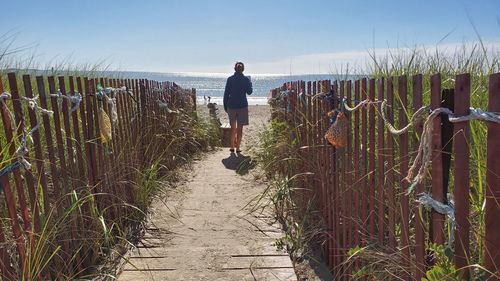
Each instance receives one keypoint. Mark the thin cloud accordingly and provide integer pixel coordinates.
(327, 63)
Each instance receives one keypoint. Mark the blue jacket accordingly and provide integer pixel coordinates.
(237, 87)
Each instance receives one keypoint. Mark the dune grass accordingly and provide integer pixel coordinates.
(80, 235)
(382, 263)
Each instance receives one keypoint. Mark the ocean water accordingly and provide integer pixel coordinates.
(212, 84)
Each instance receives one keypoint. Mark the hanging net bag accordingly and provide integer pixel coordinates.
(337, 133)
(104, 126)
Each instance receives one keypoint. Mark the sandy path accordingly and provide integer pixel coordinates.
(204, 231)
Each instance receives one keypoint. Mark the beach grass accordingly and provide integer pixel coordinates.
(474, 58)
(96, 242)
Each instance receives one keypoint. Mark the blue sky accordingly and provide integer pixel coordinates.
(273, 36)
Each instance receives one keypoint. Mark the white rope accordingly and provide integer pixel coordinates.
(22, 150)
(415, 119)
(447, 210)
(416, 173)
(5, 96)
(358, 106)
(115, 91)
(476, 114)
(163, 104)
(423, 159)
(32, 104)
(75, 99)
(319, 95)
(114, 113)
(361, 104)
(109, 94)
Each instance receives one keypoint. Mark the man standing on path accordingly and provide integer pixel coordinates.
(236, 104)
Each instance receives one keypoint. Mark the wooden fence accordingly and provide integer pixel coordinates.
(74, 156)
(360, 190)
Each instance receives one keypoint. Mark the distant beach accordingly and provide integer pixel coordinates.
(213, 84)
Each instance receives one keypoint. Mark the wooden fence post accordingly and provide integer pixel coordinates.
(391, 184)
(461, 187)
(364, 161)
(492, 208)
(371, 172)
(419, 224)
(403, 169)
(30, 179)
(380, 170)
(437, 219)
(143, 117)
(18, 179)
(356, 168)
(348, 176)
(7, 270)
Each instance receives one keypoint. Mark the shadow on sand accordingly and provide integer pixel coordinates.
(239, 163)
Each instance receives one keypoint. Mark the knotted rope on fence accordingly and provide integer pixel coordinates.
(163, 104)
(22, 150)
(109, 94)
(5, 96)
(114, 112)
(281, 97)
(414, 119)
(361, 104)
(447, 210)
(32, 103)
(75, 99)
(416, 173)
(323, 95)
(110, 91)
(476, 114)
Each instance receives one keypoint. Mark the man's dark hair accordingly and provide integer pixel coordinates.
(239, 67)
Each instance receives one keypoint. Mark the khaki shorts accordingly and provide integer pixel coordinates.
(239, 115)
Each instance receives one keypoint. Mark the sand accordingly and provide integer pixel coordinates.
(204, 230)
(259, 116)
